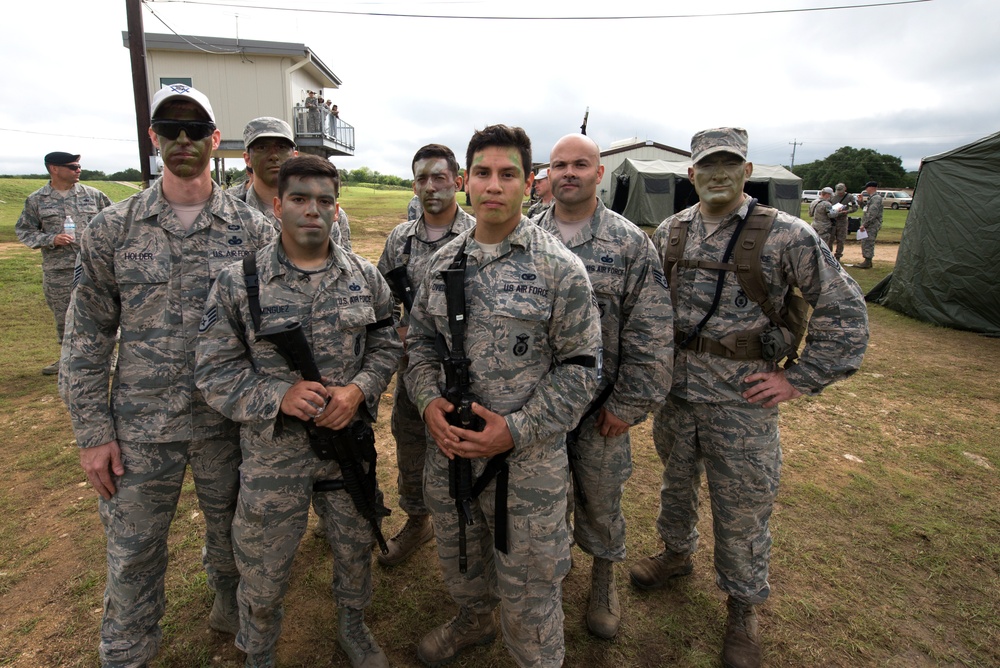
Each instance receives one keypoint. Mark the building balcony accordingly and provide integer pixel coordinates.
(320, 132)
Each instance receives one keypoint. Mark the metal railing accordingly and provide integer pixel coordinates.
(319, 122)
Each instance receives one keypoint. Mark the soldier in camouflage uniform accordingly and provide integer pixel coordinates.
(342, 235)
(345, 308)
(850, 205)
(414, 208)
(870, 223)
(41, 226)
(410, 246)
(146, 265)
(543, 188)
(721, 416)
(819, 209)
(267, 144)
(638, 355)
(532, 334)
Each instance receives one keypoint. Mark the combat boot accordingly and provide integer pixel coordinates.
(867, 264)
(51, 370)
(655, 571)
(603, 614)
(266, 659)
(357, 641)
(466, 629)
(225, 614)
(417, 531)
(741, 647)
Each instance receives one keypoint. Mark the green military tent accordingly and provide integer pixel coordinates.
(648, 191)
(946, 268)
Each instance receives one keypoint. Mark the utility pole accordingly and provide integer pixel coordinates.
(794, 144)
(140, 86)
(586, 115)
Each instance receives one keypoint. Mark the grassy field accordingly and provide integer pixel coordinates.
(886, 531)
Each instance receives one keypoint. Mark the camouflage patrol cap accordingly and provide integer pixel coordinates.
(179, 91)
(718, 140)
(267, 126)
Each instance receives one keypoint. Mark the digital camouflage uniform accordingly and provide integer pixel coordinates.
(239, 191)
(414, 209)
(638, 344)
(840, 221)
(45, 211)
(538, 208)
(822, 223)
(267, 208)
(246, 379)
(872, 222)
(527, 310)
(341, 232)
(407, 423)
(706, 419)
(142, 271)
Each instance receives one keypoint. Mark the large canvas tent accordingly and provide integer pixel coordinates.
(946, 268)
(648, 191)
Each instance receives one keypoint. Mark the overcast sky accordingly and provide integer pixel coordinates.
(908, 80)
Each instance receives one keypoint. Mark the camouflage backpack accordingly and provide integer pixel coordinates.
(789, 321)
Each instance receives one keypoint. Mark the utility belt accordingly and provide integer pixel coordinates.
(763, 343)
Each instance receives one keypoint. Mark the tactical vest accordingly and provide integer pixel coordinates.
(790, 319)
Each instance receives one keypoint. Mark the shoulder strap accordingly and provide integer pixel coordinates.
(746, 257)
(675, 249)
(253, 287)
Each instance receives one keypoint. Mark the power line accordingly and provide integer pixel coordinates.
(214, 50)
(546, 18)
(59, 134)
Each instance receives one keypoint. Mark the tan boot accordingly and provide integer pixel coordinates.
(417, 531)
(51, 370)
(741, 647)
(603, 614)
(464, 630)
(356, 640)
(654, 572)
(225, 615)
(867, 264)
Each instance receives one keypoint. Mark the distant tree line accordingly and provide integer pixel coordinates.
(130, 174)
(855, 167)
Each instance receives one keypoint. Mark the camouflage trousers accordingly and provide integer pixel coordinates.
(136, 522)
(826, 232)
(411, 447)
(868, 245)
(57, 285)
(839, 235)
(527, 581)
(276, 481)
(603, 467)
(739, 450)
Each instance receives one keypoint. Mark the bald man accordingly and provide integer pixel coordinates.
(637, 339)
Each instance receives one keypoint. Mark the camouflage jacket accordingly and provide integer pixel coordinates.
(820, 211)
(267, 208)
(873, 212)
(634, 301)
(414, 208)
(407, 247)
(43, 217)
(538, 208)
(245, 378)
(850, 205)
(143, 272)
(528, 311)
(793, 256)
(341, 232)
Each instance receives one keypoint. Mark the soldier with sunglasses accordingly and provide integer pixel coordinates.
(147, 264)
(46, 222)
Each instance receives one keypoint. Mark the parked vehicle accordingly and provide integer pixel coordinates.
(810, 195)
(895, 199)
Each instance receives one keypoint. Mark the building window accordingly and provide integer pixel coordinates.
(166, 81)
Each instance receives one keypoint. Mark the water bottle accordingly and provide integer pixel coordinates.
(69, 227)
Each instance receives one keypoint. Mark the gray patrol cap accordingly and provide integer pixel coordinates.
(718, 140)
(267, 126)
(827, 191)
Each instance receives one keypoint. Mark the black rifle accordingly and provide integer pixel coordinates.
(350, 447)
(399, 284)
(457, 392)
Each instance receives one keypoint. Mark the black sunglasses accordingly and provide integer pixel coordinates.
(195, 130)
(74, 166)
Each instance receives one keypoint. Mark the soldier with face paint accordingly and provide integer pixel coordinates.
(532, 335)
(721, 415)
(409, 249)
(638, 354)
(147, 264)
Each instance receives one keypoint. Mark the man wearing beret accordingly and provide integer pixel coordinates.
(42, 225)
(871, 223)
(721, 415)
(147, 264)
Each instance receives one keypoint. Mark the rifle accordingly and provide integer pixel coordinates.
(350, 447)
(399, 285)
(457, 392)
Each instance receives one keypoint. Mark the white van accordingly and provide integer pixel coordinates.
(895, 199)
(810, 195)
